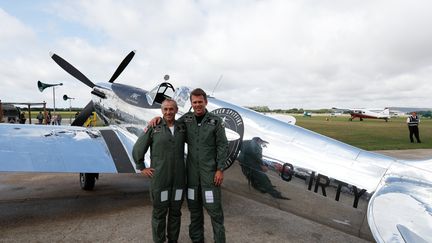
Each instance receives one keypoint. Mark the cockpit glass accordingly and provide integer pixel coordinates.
(160, 93)
(152, 94)
(181, 96)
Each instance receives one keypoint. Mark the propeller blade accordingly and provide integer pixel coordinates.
(122, 66)
(84, 114)
(72, 70)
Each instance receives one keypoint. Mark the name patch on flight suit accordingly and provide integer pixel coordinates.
(188, 119)
(157, 129)
(211, 122)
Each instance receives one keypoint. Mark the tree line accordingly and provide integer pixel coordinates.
(266, 109)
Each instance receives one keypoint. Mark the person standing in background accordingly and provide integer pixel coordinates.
(413, 121)
(40, 117)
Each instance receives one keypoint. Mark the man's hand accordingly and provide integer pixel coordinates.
(148, 172)
(218, 178)
(153, 122)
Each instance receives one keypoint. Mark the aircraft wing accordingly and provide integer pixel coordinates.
(39, 148)
(343, 110)
(283, 118)
(401, 209)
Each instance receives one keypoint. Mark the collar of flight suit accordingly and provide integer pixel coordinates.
(204, 117)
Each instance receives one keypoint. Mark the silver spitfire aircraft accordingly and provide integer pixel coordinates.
(359, 192)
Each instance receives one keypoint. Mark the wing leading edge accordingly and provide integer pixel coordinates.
(34, 148)
(401, 209)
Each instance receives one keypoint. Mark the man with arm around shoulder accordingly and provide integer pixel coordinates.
(167, 171)
(207, 154)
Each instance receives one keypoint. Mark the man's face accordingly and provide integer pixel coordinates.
(198, 104)
(169, 111)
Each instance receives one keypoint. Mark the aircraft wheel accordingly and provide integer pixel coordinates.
(350, 119)
(361, 119)
(88, 180)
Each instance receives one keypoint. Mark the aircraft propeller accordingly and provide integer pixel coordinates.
(83, 115)
(122, 66)
(89, 108)
(72, 70)
(81, 77)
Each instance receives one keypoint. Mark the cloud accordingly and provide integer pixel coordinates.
(278, 53)
(13, 28)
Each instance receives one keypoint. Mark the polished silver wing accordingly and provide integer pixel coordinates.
(39, 148)
(283, 118)
(401, 208)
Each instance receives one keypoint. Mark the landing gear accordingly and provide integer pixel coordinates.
(350, 119)
(88, 180)
(361, 119)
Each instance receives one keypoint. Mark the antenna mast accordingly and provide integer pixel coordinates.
(220, 78)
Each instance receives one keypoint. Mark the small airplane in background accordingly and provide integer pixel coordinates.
(307, 114)
(359, 192)
(367, 113)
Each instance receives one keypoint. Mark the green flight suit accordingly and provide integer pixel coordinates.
(207, 152)
(169, 178)
(251, 163)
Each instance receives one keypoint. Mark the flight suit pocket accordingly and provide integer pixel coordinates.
(192, 193)
(161, 197)
(211, 196)
(177, 198)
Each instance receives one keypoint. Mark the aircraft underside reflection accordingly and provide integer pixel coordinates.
(310, 197)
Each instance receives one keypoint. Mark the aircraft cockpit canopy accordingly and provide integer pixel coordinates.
(181, 96)
(159, 93)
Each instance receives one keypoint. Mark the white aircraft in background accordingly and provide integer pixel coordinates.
(359, 192)
(367, 113)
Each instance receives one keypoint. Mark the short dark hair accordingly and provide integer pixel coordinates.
(168, 100)
(198, 92)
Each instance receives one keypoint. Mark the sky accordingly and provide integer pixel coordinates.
(281, 54)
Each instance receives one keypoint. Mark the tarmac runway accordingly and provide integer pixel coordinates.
(52, 208)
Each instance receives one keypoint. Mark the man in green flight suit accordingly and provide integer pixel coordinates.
(207, 154)
(254, 168)
(167, 171)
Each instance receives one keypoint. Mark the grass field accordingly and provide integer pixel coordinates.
(64, 114)
(369, 134)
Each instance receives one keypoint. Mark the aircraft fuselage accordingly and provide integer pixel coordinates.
(326, 180)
